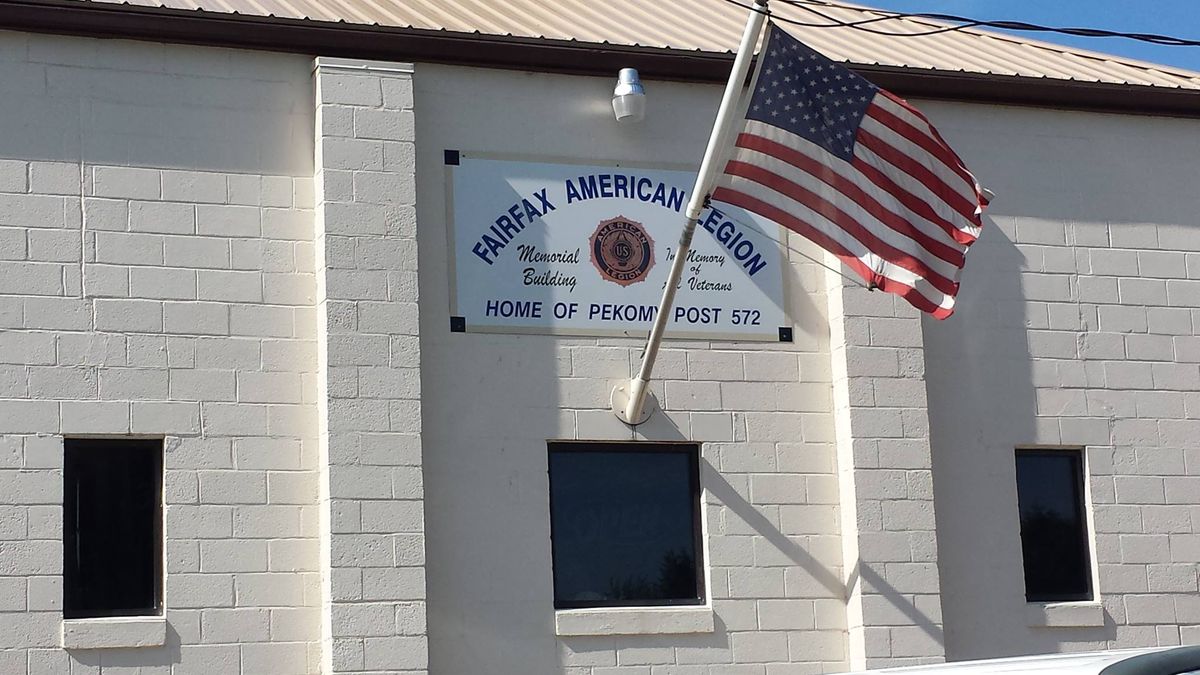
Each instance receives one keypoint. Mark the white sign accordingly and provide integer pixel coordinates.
(586, 250)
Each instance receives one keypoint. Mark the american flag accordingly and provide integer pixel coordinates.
(856, 170)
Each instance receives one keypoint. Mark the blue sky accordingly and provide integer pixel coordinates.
(1178, 18)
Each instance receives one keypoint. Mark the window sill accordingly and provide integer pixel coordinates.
(634, 620)
(114, 632)
(1088, 614)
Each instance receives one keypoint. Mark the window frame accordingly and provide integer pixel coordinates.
(1079, 454)
(693, 451)
(156, 446)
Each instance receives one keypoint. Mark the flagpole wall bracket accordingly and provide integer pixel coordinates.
(620, 405)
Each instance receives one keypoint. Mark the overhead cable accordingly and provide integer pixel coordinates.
(960, 23)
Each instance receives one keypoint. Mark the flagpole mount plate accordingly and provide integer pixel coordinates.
(620, 402)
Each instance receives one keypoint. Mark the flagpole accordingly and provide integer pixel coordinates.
(628, 401)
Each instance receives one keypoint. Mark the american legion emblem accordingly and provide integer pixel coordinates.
(622, 251)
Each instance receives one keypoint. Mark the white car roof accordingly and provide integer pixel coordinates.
(1086, 663)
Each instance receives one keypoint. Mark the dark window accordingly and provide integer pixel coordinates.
(1054, 537)
(112, 527)
(625, 524)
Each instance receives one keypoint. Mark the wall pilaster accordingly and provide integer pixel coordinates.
(372, 496)
(889, 542)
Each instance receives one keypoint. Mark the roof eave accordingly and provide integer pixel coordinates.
(563, 56)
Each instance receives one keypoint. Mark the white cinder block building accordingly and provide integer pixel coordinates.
(264, 408)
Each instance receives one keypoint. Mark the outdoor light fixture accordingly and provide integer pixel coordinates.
(629, 97)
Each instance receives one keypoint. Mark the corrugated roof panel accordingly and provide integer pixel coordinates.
(1104, 68)
(715, 26)
(1049, 65)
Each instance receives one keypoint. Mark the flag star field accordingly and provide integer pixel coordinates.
(809, 95)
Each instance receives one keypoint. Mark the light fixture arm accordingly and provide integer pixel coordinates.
(628, 401)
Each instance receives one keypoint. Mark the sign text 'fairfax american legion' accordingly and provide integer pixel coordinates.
(585, 250)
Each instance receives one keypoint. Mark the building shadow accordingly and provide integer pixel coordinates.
(120, 659)
(983, 404)
(1070, 187)
(820, 572)
(726, 495)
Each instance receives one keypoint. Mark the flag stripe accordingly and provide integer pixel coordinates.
(922, 122)
(911, 201)
(905, 129)
(934, 167)
(864, 161)
(802, 169)
(911, 289)
(759, 200)
(889, 244)
(911, 166)
(828, 218)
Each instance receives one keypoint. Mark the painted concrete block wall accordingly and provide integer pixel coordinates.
(169, 268)
(490, 402)
(1078, 326)
(156, 278)
(373, 547)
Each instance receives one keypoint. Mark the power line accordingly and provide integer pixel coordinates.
(961, 21)
(966, 22)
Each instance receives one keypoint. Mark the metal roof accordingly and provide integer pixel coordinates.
(711, 26)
